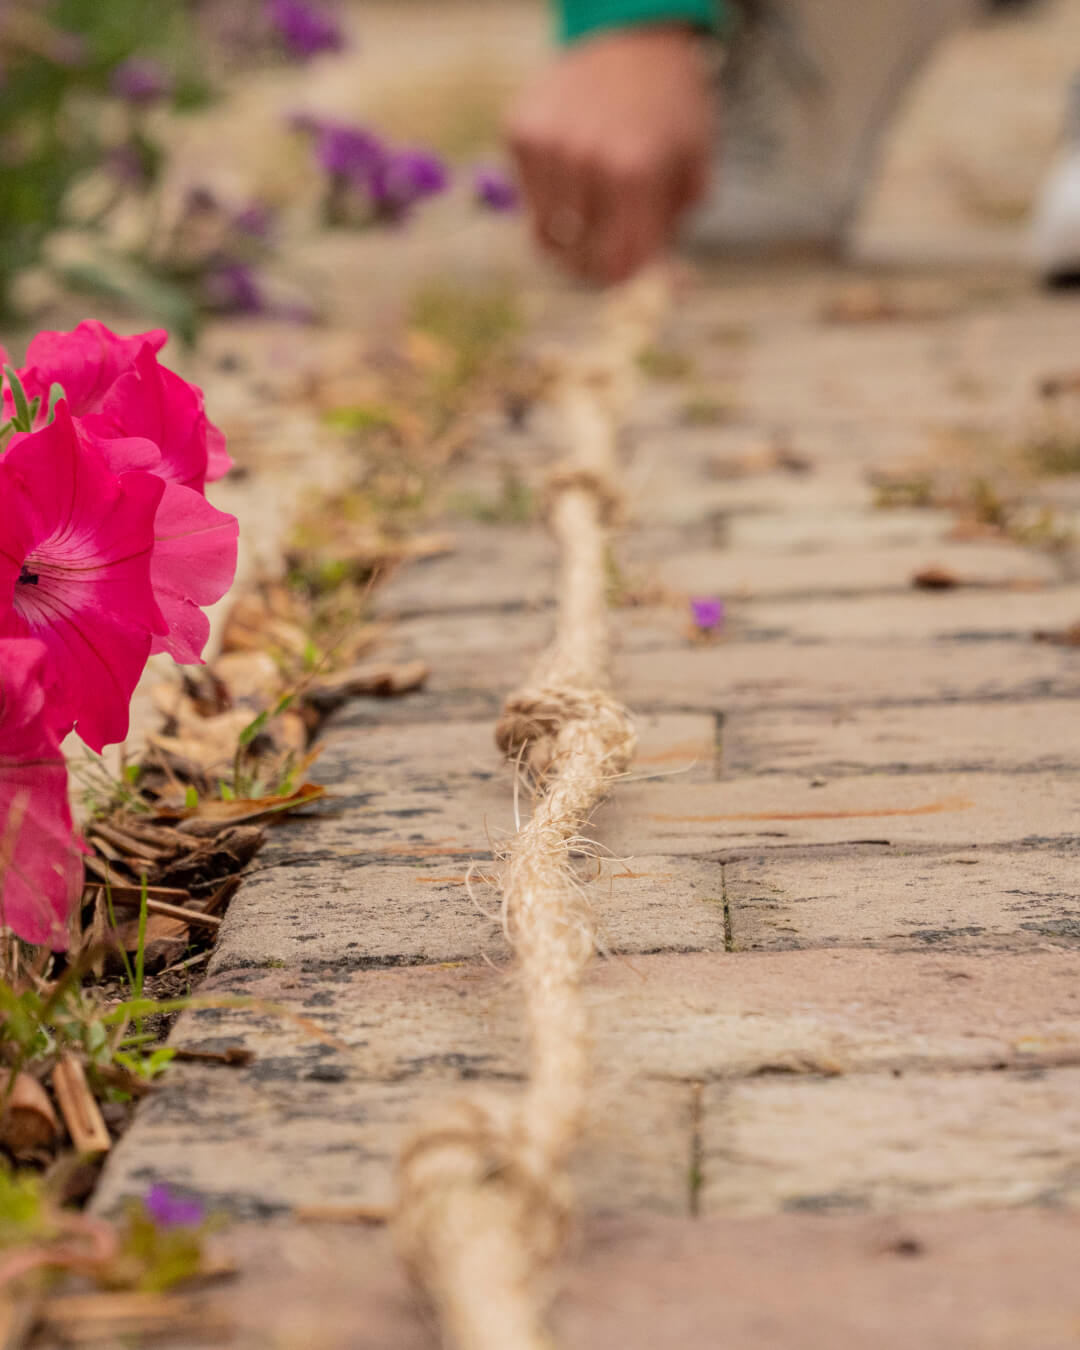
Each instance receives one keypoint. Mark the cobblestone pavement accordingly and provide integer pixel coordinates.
(837, 1017)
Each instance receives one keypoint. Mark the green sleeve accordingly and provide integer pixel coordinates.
(579, 18)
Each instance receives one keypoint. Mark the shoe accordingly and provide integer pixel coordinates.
(1055, 230)
(808, 88)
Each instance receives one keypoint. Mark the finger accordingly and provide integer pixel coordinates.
(578, 213)
(638, 201)
(533, 166)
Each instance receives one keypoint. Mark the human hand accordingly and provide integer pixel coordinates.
(612, 143)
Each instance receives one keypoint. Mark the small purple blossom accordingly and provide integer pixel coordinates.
(493, 189)
(305, 29)
(404, 178)
(352, 153)
(168, 1209)
(233, 288)
(707, 612)
(141, 81)
(254, 220)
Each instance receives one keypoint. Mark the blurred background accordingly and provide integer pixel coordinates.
(179, 159)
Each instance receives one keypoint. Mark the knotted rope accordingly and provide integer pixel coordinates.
(483, 1193)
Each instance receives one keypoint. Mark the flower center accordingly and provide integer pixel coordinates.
(27, 578)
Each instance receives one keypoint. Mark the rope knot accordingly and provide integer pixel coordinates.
(533, 720)
(571, 478)
(476, 1148)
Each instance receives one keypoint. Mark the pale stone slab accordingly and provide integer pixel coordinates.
(884, 1143)
(958, 810)
(973, 898)
(999, 1280)
(300, 1129)
(345, 1064)
(962, 614)
(851, 571)
(1021, 737)
(352, 913)
(453, 754)
(788, 674)
(491, 567)
(441, 789)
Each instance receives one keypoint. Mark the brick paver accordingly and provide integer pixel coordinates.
(837, 1017)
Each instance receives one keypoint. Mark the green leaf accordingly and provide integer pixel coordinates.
(23, 419)
(191, 797)
(56, 393)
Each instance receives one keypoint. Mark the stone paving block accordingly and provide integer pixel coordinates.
(963, 614)
(834, 528)
(490, 567)
(995, 1280)
(351, 913)
(789, 674)
(306, 1124)
(406, 792)
(453, 755)
(345, 1059)
(853, 571)
(973, 898)
(884, 1143)
(1022, 737)
(924, 809)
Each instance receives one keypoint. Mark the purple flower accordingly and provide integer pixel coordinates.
(140, 81)
(707, 612)
(493, 188)
(346, 152)
(404, 178)
(168, 1209)
(304, 28)
(233, 288)
(254, 220)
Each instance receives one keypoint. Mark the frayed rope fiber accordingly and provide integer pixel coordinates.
(484, 1199)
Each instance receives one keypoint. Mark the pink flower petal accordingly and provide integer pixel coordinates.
(194, 563)
(151, 401)
(40, 868)
(219, 461)
(75, 548)
(87, 362)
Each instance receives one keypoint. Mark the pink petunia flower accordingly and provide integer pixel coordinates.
(76, 541)
(89, 363)
(151, 402)
(193, 565)
(40, 868)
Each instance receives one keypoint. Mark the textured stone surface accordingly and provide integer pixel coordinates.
(1022, 737)
(905, 1143)
(352, 912)
(852, 571)
(346, 1063)
(914, 809)
(971, 898)
(991, 1279)
(841, 674)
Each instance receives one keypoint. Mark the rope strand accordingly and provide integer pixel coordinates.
(484, 1197)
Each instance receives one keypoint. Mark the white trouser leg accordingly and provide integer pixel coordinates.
(807, 92)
